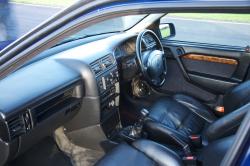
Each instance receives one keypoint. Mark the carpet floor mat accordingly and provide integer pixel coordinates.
(79, 156)
(45, 153)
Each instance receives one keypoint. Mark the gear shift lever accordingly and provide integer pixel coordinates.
(144, 113)
(136, 129)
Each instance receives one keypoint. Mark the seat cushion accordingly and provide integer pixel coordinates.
(124, 155)
(148, 153)
(196, 107)
(141, 152)
(180, 115)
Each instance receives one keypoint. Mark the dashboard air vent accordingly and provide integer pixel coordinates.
(118, 52)
(103, 63)
(16, 126)
(180, 51)
(96, 67)
(108, 61)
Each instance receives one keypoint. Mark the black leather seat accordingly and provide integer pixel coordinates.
(176, 118)
(149, 153)
(142, 152)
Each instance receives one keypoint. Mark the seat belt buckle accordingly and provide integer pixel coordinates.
(190, 160)
(219, 110)
(196, 140)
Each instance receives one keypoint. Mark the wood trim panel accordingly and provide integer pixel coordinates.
(214, 59)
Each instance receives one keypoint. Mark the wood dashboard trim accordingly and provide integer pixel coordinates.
(208, 58)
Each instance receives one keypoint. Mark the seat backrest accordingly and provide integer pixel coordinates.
(237, 97)
(227, 125)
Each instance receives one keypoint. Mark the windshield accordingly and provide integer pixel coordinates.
(119, 24)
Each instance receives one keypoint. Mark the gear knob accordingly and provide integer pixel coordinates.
(144, 113)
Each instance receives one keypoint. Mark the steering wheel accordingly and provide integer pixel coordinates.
(151, 58)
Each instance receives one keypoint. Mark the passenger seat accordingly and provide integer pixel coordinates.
(148, 153)
(175, 119)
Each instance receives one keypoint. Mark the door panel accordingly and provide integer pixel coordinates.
(177, 83)
(208, 70)
(211, 65)
(214, 59)
(216, 85)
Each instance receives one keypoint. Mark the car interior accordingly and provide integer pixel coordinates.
(125, 98)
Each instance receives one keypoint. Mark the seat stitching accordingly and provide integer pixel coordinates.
(165, 115)
(183, 103)
(181, 125)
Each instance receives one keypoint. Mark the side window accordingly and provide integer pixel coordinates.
(18, 17)
(223, 29)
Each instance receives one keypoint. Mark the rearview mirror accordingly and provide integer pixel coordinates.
(167, 30)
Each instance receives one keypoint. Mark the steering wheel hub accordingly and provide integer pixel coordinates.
(155, 64)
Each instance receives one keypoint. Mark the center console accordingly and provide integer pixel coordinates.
(107, 78)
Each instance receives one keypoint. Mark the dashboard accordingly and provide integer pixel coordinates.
(78, 88)
(128, 47)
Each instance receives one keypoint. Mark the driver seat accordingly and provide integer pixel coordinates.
(172, 120)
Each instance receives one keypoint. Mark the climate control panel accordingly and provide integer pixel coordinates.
(107, 82)
(109, 91)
